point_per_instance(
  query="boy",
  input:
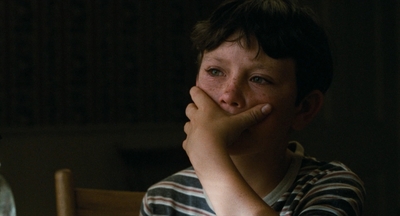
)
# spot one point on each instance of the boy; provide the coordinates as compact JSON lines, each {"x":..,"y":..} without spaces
{"x":264,"y":67}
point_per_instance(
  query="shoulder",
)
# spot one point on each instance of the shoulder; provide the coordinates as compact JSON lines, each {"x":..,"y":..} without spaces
{"x":313,"y":171}
{"x":328,"y":186}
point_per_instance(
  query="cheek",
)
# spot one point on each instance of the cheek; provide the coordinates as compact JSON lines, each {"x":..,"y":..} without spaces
{"x":283,"y":99}
{"x":279,"y":121}
{"x":283,"y":108}
{"x":284,"y":115}
{"x":208,"y":88}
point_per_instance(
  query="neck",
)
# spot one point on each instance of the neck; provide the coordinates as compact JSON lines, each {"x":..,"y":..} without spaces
{"x":263,"y":171}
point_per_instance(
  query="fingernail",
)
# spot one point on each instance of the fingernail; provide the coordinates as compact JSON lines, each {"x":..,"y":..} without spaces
{"x":266,"y":109}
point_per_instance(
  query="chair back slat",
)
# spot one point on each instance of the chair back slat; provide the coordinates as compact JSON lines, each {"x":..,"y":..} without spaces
{"x":93,"y":202}
{"x":65,"y":197}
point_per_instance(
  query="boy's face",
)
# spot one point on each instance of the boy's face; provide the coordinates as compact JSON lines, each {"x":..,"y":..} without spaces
{"x":237,"y":79}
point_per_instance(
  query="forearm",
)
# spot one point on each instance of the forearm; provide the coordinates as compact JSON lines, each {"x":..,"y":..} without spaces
{"x":227,"y":190}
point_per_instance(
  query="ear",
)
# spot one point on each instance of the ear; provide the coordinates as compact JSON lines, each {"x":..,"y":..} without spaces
{"x":308,"y":109}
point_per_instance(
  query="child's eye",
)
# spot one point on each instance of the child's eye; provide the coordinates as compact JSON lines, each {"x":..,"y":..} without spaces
{"x":214,"y":72}
{"x":259,"y":80}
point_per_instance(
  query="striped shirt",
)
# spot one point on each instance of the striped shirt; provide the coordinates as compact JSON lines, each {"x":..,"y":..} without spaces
{"x":310,"y":187}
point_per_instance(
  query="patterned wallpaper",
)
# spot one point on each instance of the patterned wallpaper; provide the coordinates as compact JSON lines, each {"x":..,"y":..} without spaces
{"x":68,"y":62}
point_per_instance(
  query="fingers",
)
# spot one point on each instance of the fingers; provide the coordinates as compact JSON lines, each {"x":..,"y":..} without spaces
{"x":190,"y":109}
{"x":254,"y":115}
{"x":186,"y":129}
{"x":200,"y":98}
{"x":247,"y":118}
{"x":266,"y":109}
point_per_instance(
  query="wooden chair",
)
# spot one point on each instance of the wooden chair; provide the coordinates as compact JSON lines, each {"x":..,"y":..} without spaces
{"x":73,"y":201}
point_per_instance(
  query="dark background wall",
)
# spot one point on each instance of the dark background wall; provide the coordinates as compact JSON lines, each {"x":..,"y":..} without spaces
{"x":101,"y":86}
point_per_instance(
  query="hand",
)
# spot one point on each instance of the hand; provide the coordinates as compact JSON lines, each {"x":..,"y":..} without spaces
{"x":210,"y":125}
{"x":209,"y":132}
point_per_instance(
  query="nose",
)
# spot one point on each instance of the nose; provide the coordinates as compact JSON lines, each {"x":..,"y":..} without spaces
{"x":232,"y":96}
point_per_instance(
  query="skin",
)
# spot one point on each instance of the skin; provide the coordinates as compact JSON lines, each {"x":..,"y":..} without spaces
{"x":242,"y":113}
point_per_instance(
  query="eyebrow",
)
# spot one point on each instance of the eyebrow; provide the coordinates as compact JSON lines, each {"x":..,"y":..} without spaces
{"x":258,"y":65}
{"x":213,"y":58}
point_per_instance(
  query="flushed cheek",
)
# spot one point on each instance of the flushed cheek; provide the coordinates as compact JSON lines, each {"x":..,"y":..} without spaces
{"x":282,"y":108}
{"x":210,"y":89}
{"x":283,"y":117}
{"x":276,"y":124}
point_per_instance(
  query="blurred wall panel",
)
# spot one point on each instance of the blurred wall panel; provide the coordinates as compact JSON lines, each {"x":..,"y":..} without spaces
{"x":79,"y":65}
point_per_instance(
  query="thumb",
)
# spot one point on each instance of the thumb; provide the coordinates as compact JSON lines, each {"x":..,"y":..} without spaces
{"x":254,"y":115}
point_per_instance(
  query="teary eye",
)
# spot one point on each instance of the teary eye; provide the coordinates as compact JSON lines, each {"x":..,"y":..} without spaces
{"x":259,"y":80}
{"x":214,"y":72}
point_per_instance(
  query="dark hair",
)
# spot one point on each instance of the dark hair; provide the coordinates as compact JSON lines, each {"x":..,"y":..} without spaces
{"x":282,"y":28}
